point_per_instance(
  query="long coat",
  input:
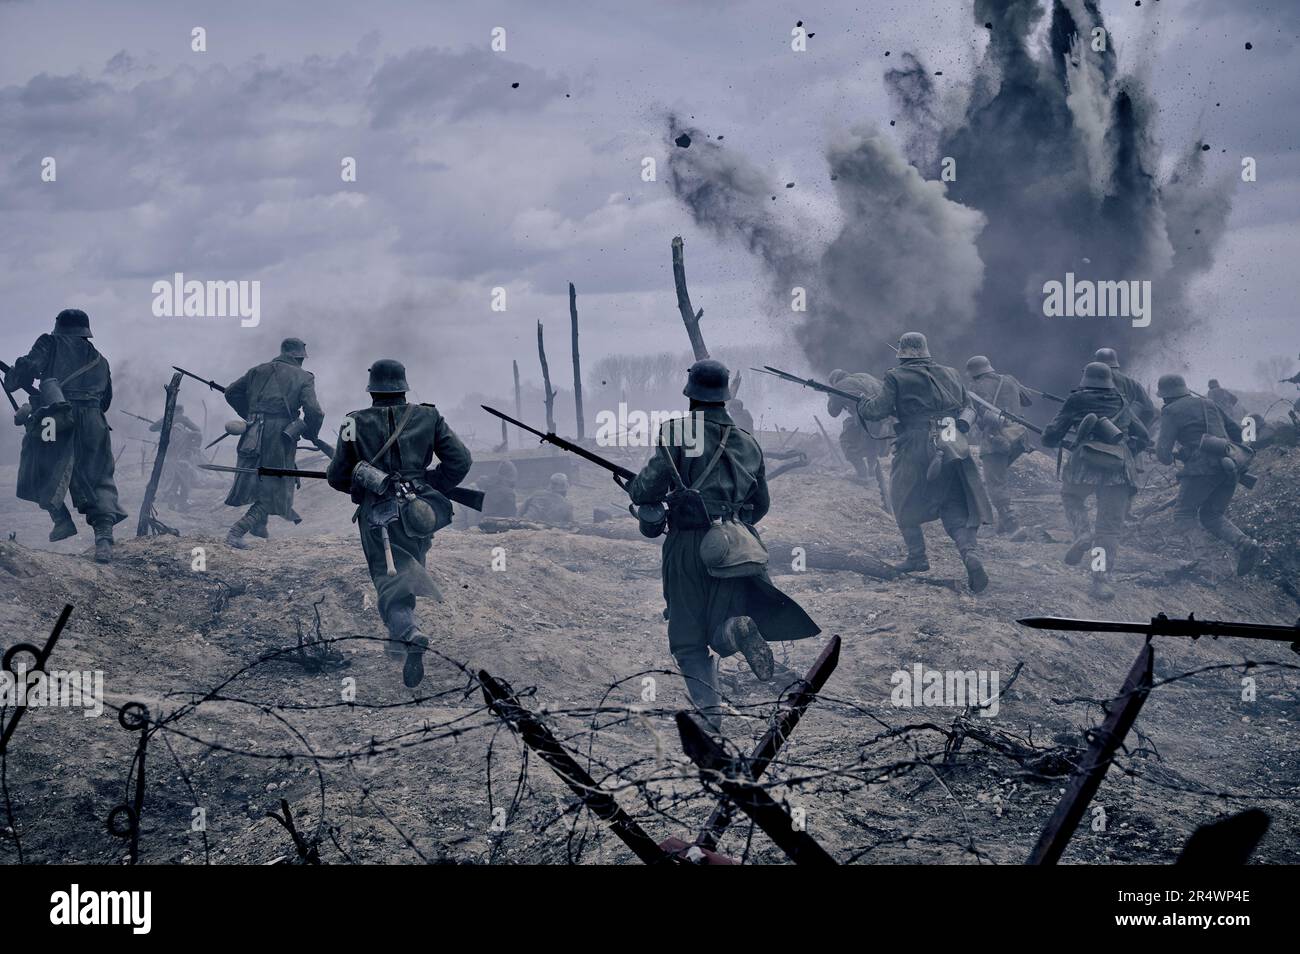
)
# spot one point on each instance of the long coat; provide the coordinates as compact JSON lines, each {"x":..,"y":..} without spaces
{"x":425,"y":436}
{"x":920,"y":393}
{"x":697,"y":602}
{"x":80,"y":458}
{"x":1002,"y":391}
{"x":269,"y":397}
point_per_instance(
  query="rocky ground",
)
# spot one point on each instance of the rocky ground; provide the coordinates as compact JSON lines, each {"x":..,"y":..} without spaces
{"x":376,"y":773}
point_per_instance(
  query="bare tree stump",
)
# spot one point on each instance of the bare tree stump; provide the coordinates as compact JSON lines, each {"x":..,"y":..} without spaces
{"x":690,"y":317}
{"x":577,"y":361}
{"x":149,"y":522}
{"x":547,"y":390}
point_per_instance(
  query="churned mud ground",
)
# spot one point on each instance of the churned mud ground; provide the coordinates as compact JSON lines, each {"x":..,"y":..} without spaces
{"x":379,"y":774}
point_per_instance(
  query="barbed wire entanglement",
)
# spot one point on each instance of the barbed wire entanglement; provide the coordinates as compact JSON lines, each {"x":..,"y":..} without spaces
{"x":596,"y":782}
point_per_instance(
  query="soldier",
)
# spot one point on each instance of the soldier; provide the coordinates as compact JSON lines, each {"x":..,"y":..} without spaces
{"x":66,"y":446}
{"x":1144,"y":409}
{"x":862,"y":448}
{"x":269,"y":397}
{"x":744,"y":420}
{"x":926,"y":398}
{"x":550,"y":506}
{"x":1221,"y":396}
{"x":400,"y":440}
{"x":1001,"y":442}
{"x":184,"y":452}
{"x":499,"y":491}
{"x":706,"y":612}
{"x":1098,"y":465}
{"x":1208,"y":479}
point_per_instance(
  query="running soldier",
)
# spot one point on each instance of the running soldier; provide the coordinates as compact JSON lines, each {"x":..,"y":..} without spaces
{"x":1101,"y":463}
{"x":862,"y":448}
{"x":383,"y":460}
{"x":184,"y":454}
{"x":723,"y":478}
{"x":1001,"y":441}
{"x":1195,"y":431}
{"x":932,"y":476}
{"x":66,"y":444}
{"x":270,"y":397}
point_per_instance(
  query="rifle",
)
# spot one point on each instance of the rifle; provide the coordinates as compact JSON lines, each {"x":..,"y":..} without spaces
{"x":461,"y":495}
{"x":572,"y":448}
{"x":136,"y":416}
{"x":810,"y":383}
{"x":1162,"y":625}
{"x":5,"y":369}
{"x":212,"y":384}
{"x":1044,"y":394}
{"x":1006,"y":415}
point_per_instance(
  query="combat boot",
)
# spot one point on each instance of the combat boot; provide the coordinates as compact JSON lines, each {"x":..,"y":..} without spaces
{"x":742,"y":633}
{"x":104,"y":544}
{"x":1248,"y":554}
{"x":1099,"y":587}
{"x":1074,"y":555}
{"x":63,"y":525}
{"x":235,"y":538}
{"x":261,"y":530}
{"x":413,"y":670}
{"x":975,"y":573}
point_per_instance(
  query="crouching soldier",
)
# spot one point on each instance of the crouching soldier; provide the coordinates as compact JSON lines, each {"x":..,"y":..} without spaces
{"x":1101,"y":463}
{"x":933,"y":476}
{"x":719,"y":600}
{"x":550,"y":506}
{"x":66,"y":447}
{"x":383,"y":460}
{"x":270,"y":397}
{"x":1197,"y":431}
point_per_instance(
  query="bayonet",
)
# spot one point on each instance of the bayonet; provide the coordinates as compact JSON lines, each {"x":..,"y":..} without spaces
{"x":562,"y":444}
{"x":1044,"y":394}
{"x":1162,"y":625}
{"x":212,"y":384}
{"x":809,"y":383}
{"x":136,"y":416}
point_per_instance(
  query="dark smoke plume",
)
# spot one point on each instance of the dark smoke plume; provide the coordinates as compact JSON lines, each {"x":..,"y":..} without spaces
{"x":1056,"y":172}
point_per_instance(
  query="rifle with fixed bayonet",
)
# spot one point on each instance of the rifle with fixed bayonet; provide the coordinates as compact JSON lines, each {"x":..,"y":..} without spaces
{"x":1162,"y":625}
{"x":462,"y":495}
{"x":1044,"y":394}
{"x":621,"y":474}
{"x":810,"y":383}
{"x":136,"y":416}
{"x":651,"y":518}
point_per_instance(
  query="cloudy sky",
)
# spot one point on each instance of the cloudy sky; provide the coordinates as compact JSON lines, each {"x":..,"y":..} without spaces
{"x":225,"y":164}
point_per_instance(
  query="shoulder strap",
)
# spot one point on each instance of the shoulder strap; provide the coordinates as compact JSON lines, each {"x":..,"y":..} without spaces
{"x":1002,"y":379}
{"x":83,"y":369}
{"x":374,"y":461}
{"x":717,"y":455}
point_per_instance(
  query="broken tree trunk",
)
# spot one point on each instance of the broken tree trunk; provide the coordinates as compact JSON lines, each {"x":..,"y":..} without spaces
{"x":149,"y":522}
{"x":577,"y":361}
{"x":546,"y":383}
{"x":690,"y":317}
{"x":519,"y":402}
{"x":816,"y":556}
